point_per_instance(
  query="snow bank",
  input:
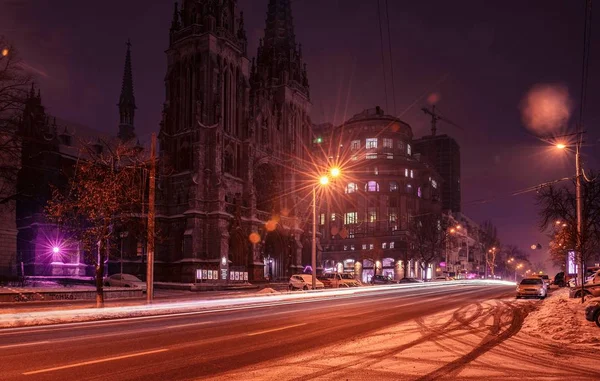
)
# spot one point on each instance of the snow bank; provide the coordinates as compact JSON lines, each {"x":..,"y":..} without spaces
{"x":268,"y":290}
{"x":562,"y":319}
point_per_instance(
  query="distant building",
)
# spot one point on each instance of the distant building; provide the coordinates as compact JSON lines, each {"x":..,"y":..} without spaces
{"x":50,"y":150}
{"x":365,"y":214}
{"x":8,"y":228}
{"x":443,"y":152}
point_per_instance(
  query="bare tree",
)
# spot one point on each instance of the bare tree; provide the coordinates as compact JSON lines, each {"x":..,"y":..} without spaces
{"x":558,"y":204}
{"x":14,"y":85}
{"x":103,"y":194}
{"x":490,"y":244}
{"x":428,"y":238}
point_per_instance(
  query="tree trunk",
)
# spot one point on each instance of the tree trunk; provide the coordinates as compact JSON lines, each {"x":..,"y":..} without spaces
{"x":100,"y":277}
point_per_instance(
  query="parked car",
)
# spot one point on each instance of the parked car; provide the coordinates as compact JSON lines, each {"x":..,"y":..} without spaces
{"x":441,"y":278}
{"x":337,"y":280}
{"x":534,"y":286}
{"x":559,"y":279}
{"x":381,"y":279}
{"x":303,"y":282}
{"x":409,"y":280}
{"x":592,"y":313}
{"x":591,"y":287}
{"x":125,"y":280}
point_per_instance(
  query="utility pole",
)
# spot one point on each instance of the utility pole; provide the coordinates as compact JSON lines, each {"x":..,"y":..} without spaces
{"x":313,"y":250}
{"x":151,"y":194}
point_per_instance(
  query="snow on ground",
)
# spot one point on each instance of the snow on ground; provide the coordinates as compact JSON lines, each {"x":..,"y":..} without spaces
{"x":481,"y":341}
{"x":268,"y":290}
{"x":560,"y":318}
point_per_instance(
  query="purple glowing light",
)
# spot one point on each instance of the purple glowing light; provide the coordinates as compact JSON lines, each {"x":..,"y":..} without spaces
{"x":56,"y":249}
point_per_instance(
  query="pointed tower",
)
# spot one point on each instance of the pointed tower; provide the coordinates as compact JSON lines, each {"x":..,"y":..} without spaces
{"x":127,"y":101}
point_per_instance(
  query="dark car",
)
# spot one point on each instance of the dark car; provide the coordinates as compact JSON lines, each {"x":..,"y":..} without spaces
{"x":592,"y":313}
{"x":410,"y":280}
{"x":381,"y":279}
{"x":559,"y":279}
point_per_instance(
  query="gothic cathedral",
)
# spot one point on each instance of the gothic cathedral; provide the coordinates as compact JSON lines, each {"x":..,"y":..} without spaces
{"x":233,"y":141}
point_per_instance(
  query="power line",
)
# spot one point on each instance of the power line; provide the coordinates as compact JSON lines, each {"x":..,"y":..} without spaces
{"x":382,"y":54}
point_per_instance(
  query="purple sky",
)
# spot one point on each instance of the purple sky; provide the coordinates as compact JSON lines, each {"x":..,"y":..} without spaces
{"x":481,"y":57}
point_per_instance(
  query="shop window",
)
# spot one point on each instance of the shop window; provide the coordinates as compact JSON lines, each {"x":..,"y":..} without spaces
{"x":371,"y":143}
{"x":372,"y":186}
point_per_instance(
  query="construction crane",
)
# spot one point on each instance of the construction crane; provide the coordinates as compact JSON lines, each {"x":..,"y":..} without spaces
{"x":435,"y":117}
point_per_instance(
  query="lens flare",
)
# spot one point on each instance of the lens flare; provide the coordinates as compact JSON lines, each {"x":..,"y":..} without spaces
{"x":254,"y":238}
{"x":324,"y":180}
{"x":335,"y":171}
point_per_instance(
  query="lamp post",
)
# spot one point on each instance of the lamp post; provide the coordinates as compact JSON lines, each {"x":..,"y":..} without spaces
{"x":323,"y":181}
{"x":456,"y":230}
{"x":122,"y":235}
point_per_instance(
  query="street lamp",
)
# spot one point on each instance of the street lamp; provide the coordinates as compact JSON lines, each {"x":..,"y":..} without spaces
{"x":323,"y":181}
{"x":5,"y":52}
{"x":457,"y":230}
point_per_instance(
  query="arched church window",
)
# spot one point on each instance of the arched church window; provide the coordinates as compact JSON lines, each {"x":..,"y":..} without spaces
{"x":228,"y":161}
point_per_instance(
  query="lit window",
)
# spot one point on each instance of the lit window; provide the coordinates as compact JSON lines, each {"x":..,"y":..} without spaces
{"x":345,"y":248}
{"x":375,"y":171}
{"x":412,"y":174}
{"x":372,"y":215}
{"x":354,"y":145}
{"x":392,"y":245}
{"x":371,"y":246}
{"x":351,"y":188}
{"x":354,"y":158}
{"x":401,"y":145}
{"x":434,"y":184}
{"x":408,"y":150}
{"x":332,"y":216}
{"x":364,"y":246}
{"x":352,"y":247}
{"x":372,"y":186}
{"x":388,"y":143}
{"x":393,"y":219}
{"x":393,"y":186}
{"x":408,"y":188}
{"x":322,"y":219}
{"x":389,"y":155}
{"x":419,"y":192}
{"x":384,"y":245}
{"x":350,"y":218}
{"x":405,"y":172}
{"x":371,"y":143}
{"x":371,"y":156}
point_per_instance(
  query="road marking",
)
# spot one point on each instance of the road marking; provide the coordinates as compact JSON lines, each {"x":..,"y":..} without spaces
{"x":189,"y":324}
{"x":275,"y":329}
{"x":94,"y":362}
{"x":24,"y":344}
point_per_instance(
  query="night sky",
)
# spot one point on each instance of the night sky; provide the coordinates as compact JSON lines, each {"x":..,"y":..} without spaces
{"x":480,"y":57}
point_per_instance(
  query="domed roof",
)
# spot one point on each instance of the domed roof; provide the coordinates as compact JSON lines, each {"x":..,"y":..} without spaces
{"x":376,"y":116}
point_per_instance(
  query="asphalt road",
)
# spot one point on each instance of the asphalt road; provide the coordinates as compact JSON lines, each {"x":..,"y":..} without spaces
{"x":207,"y":344}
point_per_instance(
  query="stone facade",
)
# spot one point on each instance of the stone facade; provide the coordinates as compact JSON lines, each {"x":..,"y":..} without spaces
{"x":232,"y":142}
{"x":365,"y":214}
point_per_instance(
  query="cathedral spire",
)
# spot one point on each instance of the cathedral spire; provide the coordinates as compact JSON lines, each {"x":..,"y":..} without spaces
{"x":279,"y":60}
{"x":127,"y":100}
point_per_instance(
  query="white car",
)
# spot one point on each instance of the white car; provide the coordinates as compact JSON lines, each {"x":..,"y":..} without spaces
{"x":303,"y":282}
{"x":533,"y":286}
{"x":125,"y":280}
{"x":335,"y":280}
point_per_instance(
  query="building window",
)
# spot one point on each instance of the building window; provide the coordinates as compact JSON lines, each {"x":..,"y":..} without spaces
{"x":351,"y":235}
{"x":393,"y":219}
{"x":351,"y":188}
{"x":322,"y":219}
{"x":371,"y":156}
{"x":393,"y":186}
{"x":372,"y":215}
{"x":408,"y":188}
{"x":371,"y":247}
{"x":401,"y":145}
{"x":419,"y":194}
{"x":408,"y":150}
{"x":332,"y":216}
{"x":434,"y":184}
{"x":412,"y":174}
{"x":388,"y":143}
{"x":350,"y":218}
{"x":345,"y":247}
{"x":389,"y":155}
{"x":375,"y":171}
{"x":372,"y":186}
{"x":392,"y":245}
{"x":354,"y":158}
{"x":364,"y":246}
{"x":352,"y":247}
{"x":384,"y":245}
{"x":355,"y":145}
{"x":405,"y":172}
{"x":371,"y":143}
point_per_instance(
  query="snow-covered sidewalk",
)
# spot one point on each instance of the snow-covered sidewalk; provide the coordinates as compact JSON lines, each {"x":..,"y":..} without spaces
{"x":561,"y":319}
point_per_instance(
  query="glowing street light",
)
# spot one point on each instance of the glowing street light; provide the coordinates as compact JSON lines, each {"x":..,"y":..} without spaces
{"x":56,"y":249}
{"x":4,"y":52}
{"x":323,"y":181}
{"x":561,"y":146}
